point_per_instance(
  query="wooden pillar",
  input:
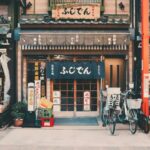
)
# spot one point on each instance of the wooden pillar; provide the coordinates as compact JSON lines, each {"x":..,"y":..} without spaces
{"x":130,"y":64}
{"x":145,"y":55}
{"x":19,"y":73}
{"x":25,"y":79}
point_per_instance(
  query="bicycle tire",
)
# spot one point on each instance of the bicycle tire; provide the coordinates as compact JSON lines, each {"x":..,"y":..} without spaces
{"x":133,"y":126}
{"x":104,"y":119}
{"x":146,"y":126}
{"x":132,"y":122}
{"x":112,"y":122}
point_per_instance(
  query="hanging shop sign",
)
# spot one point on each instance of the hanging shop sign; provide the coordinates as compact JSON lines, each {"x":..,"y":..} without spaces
{"x":76,"y":11}
{"x":75,"y":70}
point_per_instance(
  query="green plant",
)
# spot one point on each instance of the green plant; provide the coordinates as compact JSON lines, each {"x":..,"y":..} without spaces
{"x":19,"y":110}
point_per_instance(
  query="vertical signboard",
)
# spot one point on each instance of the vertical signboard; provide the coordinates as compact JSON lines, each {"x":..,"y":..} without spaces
{"x":56,"y":101}
{"x":146,"y":85}
{"x":87,"y":99}
{"x":37,"y":92}
{"x":31,"y":101}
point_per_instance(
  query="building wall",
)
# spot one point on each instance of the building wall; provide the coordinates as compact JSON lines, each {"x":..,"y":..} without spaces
{"x":104,"y":38}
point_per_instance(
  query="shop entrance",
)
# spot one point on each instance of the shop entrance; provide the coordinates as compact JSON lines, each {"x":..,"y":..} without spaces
{"x":75,"y":98}
{"x":115,"y":72}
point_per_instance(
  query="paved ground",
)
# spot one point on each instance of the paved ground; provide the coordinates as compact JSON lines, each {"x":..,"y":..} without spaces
{"x":73,"y":138}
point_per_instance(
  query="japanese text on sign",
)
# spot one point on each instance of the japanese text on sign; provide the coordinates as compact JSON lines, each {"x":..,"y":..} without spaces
{"x":76,"y":11}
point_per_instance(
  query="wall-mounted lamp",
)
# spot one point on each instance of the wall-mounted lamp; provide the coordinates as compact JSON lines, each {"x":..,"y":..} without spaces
{"x":121,"y":6}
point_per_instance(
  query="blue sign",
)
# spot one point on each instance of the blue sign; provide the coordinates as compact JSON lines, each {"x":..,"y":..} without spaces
{"x":75,"y":70}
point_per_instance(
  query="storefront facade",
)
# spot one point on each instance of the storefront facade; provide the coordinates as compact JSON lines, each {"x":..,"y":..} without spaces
{"x":7,"y":52}
{"x":70,"y":54}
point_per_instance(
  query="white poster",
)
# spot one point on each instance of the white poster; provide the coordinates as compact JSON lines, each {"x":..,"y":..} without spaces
{"x":87,"y":100}
{"x":56,"y":108}
{"x":56,"y":94}
{"x":146,"y":86}
{"x":31,"y":97}
{"x":37,"y":92}
{"x":86,"y":107}
{"x":87,"y":94}
{"x":56,"y":101}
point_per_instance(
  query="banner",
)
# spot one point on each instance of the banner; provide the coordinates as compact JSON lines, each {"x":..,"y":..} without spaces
{"x":75,"y":70}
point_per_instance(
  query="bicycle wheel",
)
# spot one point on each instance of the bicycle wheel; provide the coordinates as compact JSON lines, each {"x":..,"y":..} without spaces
{"x":104,"y":119}
{"x":112,"y":122}
{"x":132,"y":122}
{"x":145,"y":126}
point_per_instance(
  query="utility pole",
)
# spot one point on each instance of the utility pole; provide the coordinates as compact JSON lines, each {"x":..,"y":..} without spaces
{"x":145,"y":56}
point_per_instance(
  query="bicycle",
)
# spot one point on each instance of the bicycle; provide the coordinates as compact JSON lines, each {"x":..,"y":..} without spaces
{"x":110,"y":110}
{"x":143,"y":122}
{"x":129,"y":107}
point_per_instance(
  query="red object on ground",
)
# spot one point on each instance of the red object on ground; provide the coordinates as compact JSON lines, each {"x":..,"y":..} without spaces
{"x":47,"y":122}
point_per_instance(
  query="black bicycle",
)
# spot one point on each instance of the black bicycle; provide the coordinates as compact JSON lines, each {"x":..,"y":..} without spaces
{"x":109,"y":112}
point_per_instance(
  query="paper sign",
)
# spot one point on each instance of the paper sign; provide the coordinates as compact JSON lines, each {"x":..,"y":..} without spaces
{"x":56,"y":94}
{"x":146,"y":85}
{"x":37,"y":92}
{"x":86,"y":107}
{"x":56,"y":101}
{"x":31,"y":97}
{"x":87,"y":101}
{"x":87,"y":94}
{"x":56,"y":108}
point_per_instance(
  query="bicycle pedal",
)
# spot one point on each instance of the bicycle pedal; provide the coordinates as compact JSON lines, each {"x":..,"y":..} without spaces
{"x":104,"y":125}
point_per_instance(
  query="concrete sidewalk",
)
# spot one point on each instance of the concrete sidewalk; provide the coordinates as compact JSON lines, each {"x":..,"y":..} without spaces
{"x":73,"y":138}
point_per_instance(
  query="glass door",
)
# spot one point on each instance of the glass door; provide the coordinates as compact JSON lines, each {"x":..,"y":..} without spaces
{"x":75,"y":98}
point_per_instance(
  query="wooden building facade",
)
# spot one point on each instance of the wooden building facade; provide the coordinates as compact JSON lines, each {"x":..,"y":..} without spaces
{"x":68,"y":50}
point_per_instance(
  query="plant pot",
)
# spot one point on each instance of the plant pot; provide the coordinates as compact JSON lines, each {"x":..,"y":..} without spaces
{"x":18,"y":122}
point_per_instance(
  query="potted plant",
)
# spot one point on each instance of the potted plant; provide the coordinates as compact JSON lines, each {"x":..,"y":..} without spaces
{"x":18,"y":112}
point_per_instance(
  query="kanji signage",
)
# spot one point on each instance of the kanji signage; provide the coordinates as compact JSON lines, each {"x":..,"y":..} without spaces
{"x":75,"y":70}
{"x":76,"y":11}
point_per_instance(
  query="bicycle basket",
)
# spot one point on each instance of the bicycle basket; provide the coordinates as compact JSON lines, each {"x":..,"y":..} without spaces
{"x":134,"y":103}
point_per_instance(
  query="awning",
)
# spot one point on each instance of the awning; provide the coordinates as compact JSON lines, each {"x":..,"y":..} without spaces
{"x":68,"y":37}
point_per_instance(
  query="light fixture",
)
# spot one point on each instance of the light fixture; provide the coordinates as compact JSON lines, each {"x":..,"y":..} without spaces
{"x":121,"y":6}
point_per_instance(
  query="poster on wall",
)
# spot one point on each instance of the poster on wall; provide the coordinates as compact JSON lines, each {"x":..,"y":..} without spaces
{"x":37,"y":92}
{"x":56,"y":108}
{"x":56,"y":94}
{"x":76,"y":11}
{"x":146,"y":85}
{"x":31,"y":96}
{"x":56,"y":101}
{"x":87,"y":100}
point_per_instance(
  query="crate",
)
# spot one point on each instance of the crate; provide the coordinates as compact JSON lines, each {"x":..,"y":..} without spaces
{"x":47,"y":122}
{"x":45,"y":112}
{"x":134,"y":103}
